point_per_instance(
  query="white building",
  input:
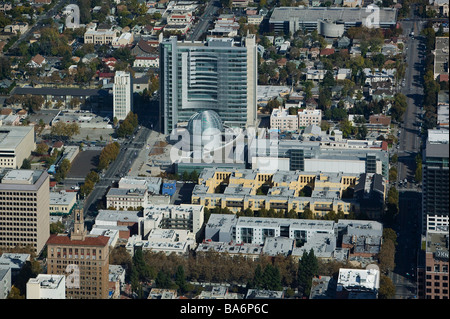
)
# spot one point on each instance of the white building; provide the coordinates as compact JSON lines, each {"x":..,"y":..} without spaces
{"x":255,"y":230}
{"x":358,"y":283}
{"x":47,"y":287}
{"x":123,"y":198}
{"x":183,"y":216}
{"x":281,"y":119}
{"x":125,"y":39}
{"x":122,"y":95}
{"x":146,"y":62}
{"x":5,"y":282}
{"x":309,"y":117}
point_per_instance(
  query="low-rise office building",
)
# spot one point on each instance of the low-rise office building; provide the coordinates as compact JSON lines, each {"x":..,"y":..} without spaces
{"x":328,"y":154}
{"x":124,"y":198}
{"x":47,"y":287}
{"x":62,"y":203}
{"x":358,"y":283}
{"x":16,"y":144}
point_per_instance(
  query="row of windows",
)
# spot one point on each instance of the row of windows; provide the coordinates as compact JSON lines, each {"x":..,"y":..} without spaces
{"x":17,"y":202}
{"x":5,"y":210}
{"x":13,"y":241}
{"x":18,"y":194}
{"x":437,"y":268}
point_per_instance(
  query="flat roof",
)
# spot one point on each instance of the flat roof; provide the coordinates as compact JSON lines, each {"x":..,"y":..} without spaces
{"x":22,"y":180}
{"x":12,"y":136}
{"x":62,"y":198}
{"x":58,"y":91}
{"x":313,"y":14}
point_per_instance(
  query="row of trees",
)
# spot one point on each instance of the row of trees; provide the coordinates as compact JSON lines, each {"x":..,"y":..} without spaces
{"x":431,"y":87}
{"x":128,"y":125}
{"x":273,"y":273}
{"x":62,"y":170}
{"x":107,"y":155}
{"x":280,"y":213}
{"x":63,"y":130}
{"x":175,"y":272}
{"x":89,"y":183}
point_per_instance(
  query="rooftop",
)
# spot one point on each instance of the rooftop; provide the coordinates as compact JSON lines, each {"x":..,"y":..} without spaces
{"x":312,"y":14}
{"x":48,"y":281}
{"x":21,"y":179}
{"x":12,"y":136}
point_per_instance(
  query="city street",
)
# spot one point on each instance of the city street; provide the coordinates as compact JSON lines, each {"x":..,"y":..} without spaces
{"x":410,"y":196}
{"x":119,"y":168}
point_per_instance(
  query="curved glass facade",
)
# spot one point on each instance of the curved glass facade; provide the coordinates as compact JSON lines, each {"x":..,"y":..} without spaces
{"x":217,"y":75}
{"x":203,"y":122}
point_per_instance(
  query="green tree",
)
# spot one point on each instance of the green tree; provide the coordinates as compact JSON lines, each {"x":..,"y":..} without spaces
{"x":42,"y":148}
{"x":308,"y":267}
{"x":387,"y":288}
{"x":180,"y":279}
{"x":26,"y":164}
{"x":56,"y":228}
{"x":386,"y":256}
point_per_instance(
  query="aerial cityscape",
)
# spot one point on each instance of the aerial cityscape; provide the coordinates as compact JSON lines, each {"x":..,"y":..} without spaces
{"x":224,"y":150}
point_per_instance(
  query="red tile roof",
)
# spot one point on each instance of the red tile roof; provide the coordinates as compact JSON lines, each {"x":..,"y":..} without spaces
{"x":443,"y":77}
{"x":326,"y":51}
{"x":63,"y":239}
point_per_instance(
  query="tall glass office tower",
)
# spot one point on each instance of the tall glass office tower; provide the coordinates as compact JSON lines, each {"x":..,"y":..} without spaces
{"x":218,"y":74}
{"x":435,"y":173}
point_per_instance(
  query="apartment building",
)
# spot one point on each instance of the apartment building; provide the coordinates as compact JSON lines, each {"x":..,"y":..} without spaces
{"x":24,"y":208}
{"x":184,"y":216}
{"x":281,"y":120}
{"x":242,"y":189}
{"x":177,"y":18}
{"x":308,"y":117}
{"x":255,"y":236}
{"x":17,"y":27}
{"x":82,"y":258}
{"x":16,"y":144}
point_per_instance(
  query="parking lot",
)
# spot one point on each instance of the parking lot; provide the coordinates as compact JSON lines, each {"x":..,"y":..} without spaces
{"x":85,"y":119}
{"x":83,"y":163}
